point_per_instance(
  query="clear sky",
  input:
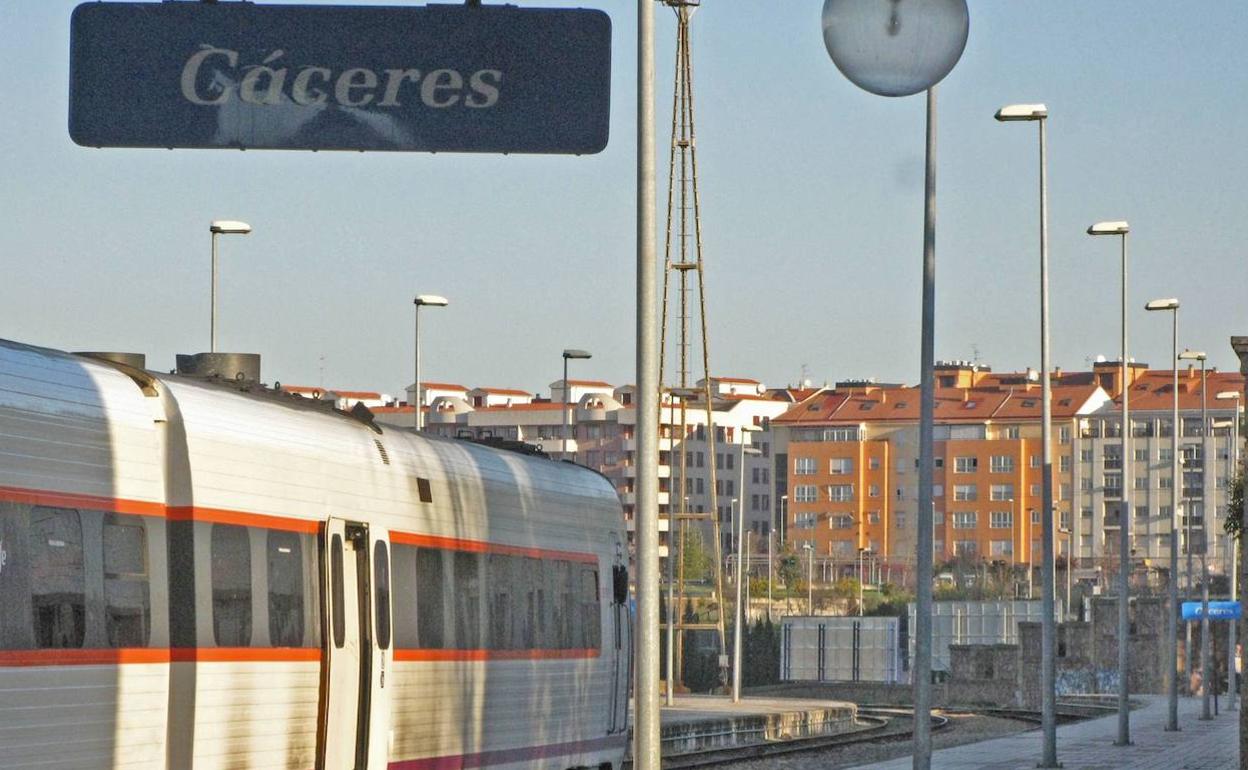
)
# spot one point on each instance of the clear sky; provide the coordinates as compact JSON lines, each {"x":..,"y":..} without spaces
{"x":812,"y":212}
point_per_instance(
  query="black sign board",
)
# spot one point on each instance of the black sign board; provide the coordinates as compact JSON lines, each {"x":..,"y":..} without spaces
{"x":437,"y":78}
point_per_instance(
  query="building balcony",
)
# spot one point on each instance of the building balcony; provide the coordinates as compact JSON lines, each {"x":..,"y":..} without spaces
{"x":665,"y":472}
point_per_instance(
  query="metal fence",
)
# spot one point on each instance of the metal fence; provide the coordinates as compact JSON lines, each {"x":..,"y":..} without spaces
{"x":841,"y":649}
{"x":965,"y":622}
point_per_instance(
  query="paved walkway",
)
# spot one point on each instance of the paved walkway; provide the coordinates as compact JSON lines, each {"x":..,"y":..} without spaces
{"x":1088,"y":745}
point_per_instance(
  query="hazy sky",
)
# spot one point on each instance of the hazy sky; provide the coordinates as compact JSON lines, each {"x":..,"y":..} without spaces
{"x":812,"y":212}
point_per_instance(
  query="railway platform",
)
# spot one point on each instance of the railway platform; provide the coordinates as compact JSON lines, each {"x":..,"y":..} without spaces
{"x":699,"y":724}
{"x":1089,"y":745}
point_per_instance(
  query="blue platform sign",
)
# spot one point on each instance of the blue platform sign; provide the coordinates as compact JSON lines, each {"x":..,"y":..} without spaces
{"x":1217,"y":610}
{"x":437,"y":78}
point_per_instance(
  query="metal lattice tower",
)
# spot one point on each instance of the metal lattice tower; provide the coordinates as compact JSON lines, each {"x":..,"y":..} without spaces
{"x":682,"y":257}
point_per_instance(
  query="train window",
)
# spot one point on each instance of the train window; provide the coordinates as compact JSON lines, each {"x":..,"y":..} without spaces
{"x":381,"y":593}
{"x":57,"y":579}
{"x":468,"y":606}
{"x":501,"y":581}
{"x":591,"y":622}
{"x":430,"y":601}
{"x":284,"y":552}
{"x":127,"y":598}
{"x":231,"y":585}
{"x":403,"y":597}
{"x":339,"y":619}
{"x":535,"y":602}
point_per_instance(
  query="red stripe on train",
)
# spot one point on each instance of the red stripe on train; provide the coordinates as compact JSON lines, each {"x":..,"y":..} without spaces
{"x":133,"y":655}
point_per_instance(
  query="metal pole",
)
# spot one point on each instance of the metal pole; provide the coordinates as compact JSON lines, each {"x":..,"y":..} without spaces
{"x":1188,"y":594}
{"x":1232,"y":647}
{"x":810,"y":580}
{"x":769,"y":575}
{"x":736,"y":610}
{"x":646,"y":754}
{"x":1172,"y":620}
{"x":1232,"y":644}
{"x":417,"y":401}
{"x":1206,"y":643}
{"x":922,"y":749}
{"x":859,"y":582}
{"x":563,"y":455}
{"x":212,"y":324}
{"x":673,"y":614}
{"x":1124,"y":529}
{"x":1048,"y":631}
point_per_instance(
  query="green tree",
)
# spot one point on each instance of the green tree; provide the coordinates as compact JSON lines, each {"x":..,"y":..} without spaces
{"x":696,"y":560}
{"x":1234,"y":524}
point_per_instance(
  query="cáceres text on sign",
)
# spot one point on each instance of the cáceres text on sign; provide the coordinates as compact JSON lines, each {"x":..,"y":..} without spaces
{"x":211,"y":77}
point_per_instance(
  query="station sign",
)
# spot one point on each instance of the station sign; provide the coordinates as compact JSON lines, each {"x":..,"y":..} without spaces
{"x":1217,"y":611}
{"x":437,"y":78}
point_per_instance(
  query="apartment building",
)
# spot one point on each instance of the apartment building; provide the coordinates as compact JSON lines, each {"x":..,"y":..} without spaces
{"x":852,"y":465}
{"x":850,"y":456}
{"x":716,"y":457}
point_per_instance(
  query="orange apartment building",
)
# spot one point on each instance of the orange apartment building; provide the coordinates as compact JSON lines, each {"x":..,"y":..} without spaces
{"x":852,"y":465}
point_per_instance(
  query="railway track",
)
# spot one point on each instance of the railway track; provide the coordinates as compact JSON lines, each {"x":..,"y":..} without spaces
{"x":888,"y":724}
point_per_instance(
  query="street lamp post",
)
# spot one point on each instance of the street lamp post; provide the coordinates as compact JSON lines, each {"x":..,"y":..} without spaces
{"x":900,"y":50}
{"x":737,"y":614}
{"x":1232,"y":647}
{"x":861,"y":551}
{"x":579,"y":355}
{"x":1039,"y":114}
{"x":1121,"y":229}
{"x":220,"y":227}
{"x":784,"y":512}
{"x":1172,"y":619}
{"x":810,"y":578}
{"x":423,"y":300}
{"x":1206,"y":658}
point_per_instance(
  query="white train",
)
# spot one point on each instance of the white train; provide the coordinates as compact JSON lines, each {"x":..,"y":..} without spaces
{"x":200,"y":574}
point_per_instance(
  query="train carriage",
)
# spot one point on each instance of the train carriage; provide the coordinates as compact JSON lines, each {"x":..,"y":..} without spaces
{"x":197,"y":573}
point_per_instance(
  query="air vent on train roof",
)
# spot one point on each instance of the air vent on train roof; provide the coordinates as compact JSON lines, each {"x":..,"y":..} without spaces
{"x":237,"y":367}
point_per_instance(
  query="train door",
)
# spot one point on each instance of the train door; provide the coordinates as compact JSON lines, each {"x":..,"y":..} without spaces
{"x":355,"y":717}
{"x":619,"y":644}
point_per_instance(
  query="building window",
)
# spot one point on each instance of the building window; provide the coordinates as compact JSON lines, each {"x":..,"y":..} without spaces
{"x":965,"y":492}
{"x":1001,"y":547}
{"x":1063,"y":463}
{"x":938,"y":490}
{"x":899,"y":519}
{"x":873,"y":517}
{"x":1112,"y":457}
{"x":1165,"y":453}
{"x":1085,"y":484}
{"x":1002,"y":492}
{"x":1002,"y":464}
{"x":1085,"y":455}
{"x":839,"y":493}
{"x":873,"y":463}
{"x":805,"y":493}
{"x":804,"y":466}
{"x":965,"y":464}
{"x":805,"y":520}
{"x":1012,"y":431}
{"x":1064,"y":434}
{"x":1141,"y":454}
{"x":1001,"y":520}
{"x":1063,"y":492}
{"x":1141,"y":482}
{"x":965,"y":519}
{"x":1035,"y":517}
{"x":840,"y":465}
{"x":874,"y":490}
{"x":1036,"y":461}
{"x":842,"y":521}
{"x":964,"y":547}
{"x":1037,"y":490}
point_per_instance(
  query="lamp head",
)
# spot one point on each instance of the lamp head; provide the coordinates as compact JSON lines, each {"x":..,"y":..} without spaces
{"x":431,"y":300}
{"x":1227,"y":395}
{"x":574,"y":353}
{"x":1192,"y":355}
{"x":1162,"y":304}
{"x":1022,"y":112}
{"x":228,"y":227}
{"x":1109,"y":228}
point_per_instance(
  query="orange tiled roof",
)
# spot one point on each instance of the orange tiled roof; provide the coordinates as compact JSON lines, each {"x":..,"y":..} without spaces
{"x":503,"y":391}
{"x":1153,"y":390}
